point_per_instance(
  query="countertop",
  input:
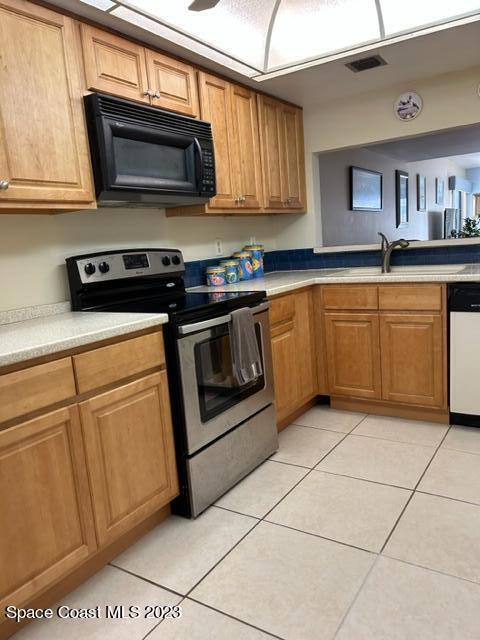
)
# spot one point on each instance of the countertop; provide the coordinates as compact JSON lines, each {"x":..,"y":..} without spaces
{"x":43,"y":335}
{"x":278,"y":282}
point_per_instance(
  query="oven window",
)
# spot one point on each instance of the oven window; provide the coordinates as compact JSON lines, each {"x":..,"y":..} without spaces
{"x":217,"y":388}
{"x":149,"y":160}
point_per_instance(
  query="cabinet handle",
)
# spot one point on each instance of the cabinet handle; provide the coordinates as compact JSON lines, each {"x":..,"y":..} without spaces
{"x":4,"y":184}
{"x":287,"y":201}
{"x":237,"y":199}
{"x":149,"y":93}
{"x":243,"y":199}
{"x":157,"y":94}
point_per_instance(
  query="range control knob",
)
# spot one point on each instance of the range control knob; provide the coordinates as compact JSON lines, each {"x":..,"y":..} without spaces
{"x":166,"y":261}
{"x":104,"y":267}
{"x":89,"y":268}
{"x":176,"y":259}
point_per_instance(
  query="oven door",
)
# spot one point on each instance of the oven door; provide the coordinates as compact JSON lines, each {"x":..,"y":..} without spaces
{"x":213,"y":401}
{"x":137,"y":157}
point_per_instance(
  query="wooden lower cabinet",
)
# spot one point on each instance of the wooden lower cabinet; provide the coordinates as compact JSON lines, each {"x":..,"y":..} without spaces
{"x":47,"y":526}
{"x":284,"y":355}
{"x":353,"y":354}
{"x":293,"y":352}
{"x":130,"y":454}
{"x":412,"y":359}
{"x":385,"y":343}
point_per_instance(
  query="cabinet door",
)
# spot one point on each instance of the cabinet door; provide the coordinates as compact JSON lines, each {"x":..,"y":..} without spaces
{"x":305,"y":347}
{"x":215,"y":107}
{"x":130,"y":454}
{"x":245,"y":147}
{"x":114,"y":65}
{"x":43,"y":145}
{"x":47,"y":527}
{"x":353,"y":354}
{"x":174,"y":84}
{"x":412,"y":359}
{"x":284,"y":356}
{"x":293,"y":160}
{"x":269,"y":116}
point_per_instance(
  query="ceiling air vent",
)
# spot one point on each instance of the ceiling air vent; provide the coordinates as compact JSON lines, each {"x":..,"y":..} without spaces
{"x":362,"y":64}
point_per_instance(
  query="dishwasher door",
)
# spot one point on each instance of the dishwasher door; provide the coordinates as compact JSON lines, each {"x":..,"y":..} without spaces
{"x":464,"y":305}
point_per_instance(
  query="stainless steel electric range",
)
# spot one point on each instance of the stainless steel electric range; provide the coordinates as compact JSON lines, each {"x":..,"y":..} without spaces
{"x":223,"y":429}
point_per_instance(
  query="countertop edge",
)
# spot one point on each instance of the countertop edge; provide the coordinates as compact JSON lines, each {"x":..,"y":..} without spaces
{"x":90,"y":337}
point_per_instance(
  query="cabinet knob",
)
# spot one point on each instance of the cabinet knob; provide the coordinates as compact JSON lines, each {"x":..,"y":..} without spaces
{"x":244,"y":199}
{"x":4,"y":184}
{"x":157,"y":94}
{"x":287,"y":201}
{"x":237,"y":199}
{"x":149,"y":93}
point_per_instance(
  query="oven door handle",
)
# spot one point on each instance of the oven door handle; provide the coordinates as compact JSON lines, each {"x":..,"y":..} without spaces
{"x":186,"y":329}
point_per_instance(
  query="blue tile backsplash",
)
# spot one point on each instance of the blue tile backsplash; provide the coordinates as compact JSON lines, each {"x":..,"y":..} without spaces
{"x":290,"y":259}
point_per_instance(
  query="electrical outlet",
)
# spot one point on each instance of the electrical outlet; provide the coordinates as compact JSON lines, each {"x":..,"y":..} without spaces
{"x":218,"y":247}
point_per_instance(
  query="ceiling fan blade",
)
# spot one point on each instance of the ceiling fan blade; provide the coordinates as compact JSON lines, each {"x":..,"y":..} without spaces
{"x":203,"y":5}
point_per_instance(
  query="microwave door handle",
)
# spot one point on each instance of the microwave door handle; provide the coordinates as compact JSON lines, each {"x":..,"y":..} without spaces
{"x":199,"y":151}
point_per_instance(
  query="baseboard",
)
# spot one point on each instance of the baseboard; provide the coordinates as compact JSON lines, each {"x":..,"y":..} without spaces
{"x":85,"y":571}
{"x":390,"y":409}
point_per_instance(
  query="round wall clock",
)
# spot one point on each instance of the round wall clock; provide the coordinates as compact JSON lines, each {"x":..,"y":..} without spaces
{"x":408,"y":106}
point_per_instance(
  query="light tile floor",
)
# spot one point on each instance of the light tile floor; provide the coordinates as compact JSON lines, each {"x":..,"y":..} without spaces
{"x":358,"y":528}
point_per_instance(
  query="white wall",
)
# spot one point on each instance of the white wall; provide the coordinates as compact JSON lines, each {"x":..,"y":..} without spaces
{"x":33,"y":247}
{"x":450,"y":100}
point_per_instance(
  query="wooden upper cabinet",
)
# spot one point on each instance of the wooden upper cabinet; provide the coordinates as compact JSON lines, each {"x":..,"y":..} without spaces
{"x":114,"y":64}
{"x":47,"y":527}
{"x":215,"y":107}
{"x":270,"y":134}
{"x":293,"y":157}
{"x":353,"y":354}
{"x":123,"y":68}
{"x":245,"y":147}
{"x":282,"y":147}
{"x":44,"y":156}
{"x":174,"y":84}
{"x":130,"y":454}
{"x":412,"y":348}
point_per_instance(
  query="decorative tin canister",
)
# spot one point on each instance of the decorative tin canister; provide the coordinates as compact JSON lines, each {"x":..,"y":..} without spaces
{"x":231,"y":268}
{"x":216,"y":276}
{"x":246,"y":268}
{"x":256,"y":251}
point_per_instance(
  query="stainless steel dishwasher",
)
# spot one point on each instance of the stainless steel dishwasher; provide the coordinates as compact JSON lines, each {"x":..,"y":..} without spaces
{"x":464,"y":316}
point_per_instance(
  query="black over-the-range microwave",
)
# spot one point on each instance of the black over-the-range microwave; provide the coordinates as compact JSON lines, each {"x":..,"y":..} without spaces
{"x":146,"y":156}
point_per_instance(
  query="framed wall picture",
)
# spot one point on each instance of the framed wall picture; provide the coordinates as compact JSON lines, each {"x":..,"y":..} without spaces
{"x":366,"y":190}
{"x":439,"y":190}
{"x":421,"y":193}
{"x":401,"y":197}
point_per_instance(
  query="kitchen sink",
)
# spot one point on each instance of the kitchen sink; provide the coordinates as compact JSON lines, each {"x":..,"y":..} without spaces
{"x":411,"y":269}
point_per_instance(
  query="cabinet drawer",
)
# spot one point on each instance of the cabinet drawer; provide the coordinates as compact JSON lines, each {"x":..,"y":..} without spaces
{"x":35,"y":388}
{"x":417,"y":297}
{"x":282,"y":309}
{"x":103,"y":366}
{"x":354,"y":297}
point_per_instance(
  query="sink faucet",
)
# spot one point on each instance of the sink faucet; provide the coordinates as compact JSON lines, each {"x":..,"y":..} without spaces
{"x":387,"y":248}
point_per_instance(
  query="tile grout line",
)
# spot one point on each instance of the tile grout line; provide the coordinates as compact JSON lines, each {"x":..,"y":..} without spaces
{"x":229,"y":615}
{"x":441,"y":495}
{"x":162,"y":620}
{"x":422,"y":566}
{"x":355,"y":598}
{"x":382,"y":484}
{"x":414,"y":491}
{"x":155,"y":584}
